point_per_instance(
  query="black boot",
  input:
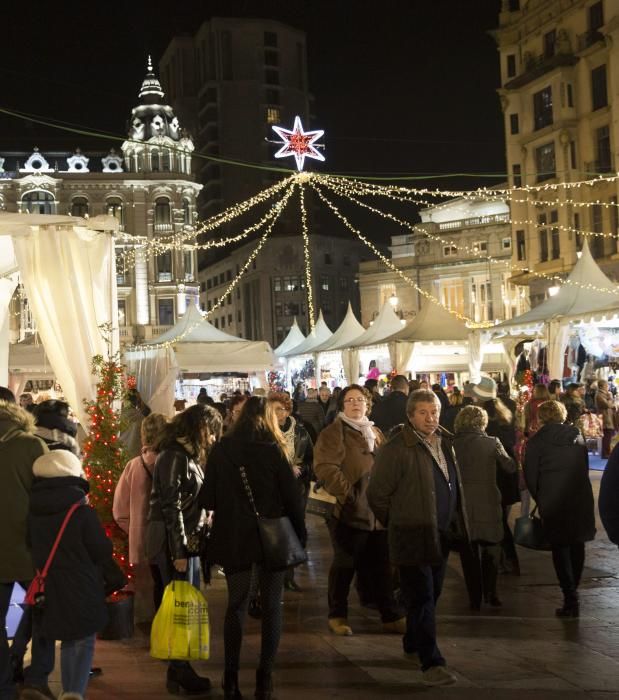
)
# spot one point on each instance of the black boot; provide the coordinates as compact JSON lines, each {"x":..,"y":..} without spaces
{"x":571,"y":608}
{"x":264,"y":685}
{"x":231,"y":686}
{"x":184,"y":680}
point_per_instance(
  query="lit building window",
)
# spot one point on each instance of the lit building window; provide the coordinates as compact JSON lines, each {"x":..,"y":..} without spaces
{"x":79,"y":206}
{"x":165,"y":308}
{"x":38,"y":202}
{"x":114,"y":208}
{"x":274,"y":115}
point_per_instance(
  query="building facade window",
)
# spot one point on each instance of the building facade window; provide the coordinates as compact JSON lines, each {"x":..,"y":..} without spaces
{"x":122,"y":312}
{"x":480,"y":246}
{"x":555,"y":242}
{"x":596,"y":16}
{"x":79,"y":206}
{"x":550,"y":40}
{"x":542,"y":220}
{"x":602,"y":149}
{"x":596,"y":243}
{"x":165,"y":312}
{"x":274,"y":115}
{"x":578,"y":234}
{"x":542,"y":108}
{"x":513,"y":124}
{"x":521,"y":246}
{"x":449,"y":251}
{"x":506,"y":244}
{"x":271,"y":76}
{"x":481,"y":299}
{"x":270,"y":39}
{"x":38,"y":202}
{"x":324,"y":283}
{"x":511,"y":65}
{"x":516,"y":175}
{"x":114,"y":207}
{"x":451,"y":294}
{"x":599,"y":94}
{"x":545,"y":161}
{"x":164,"y":267}
{"x":186,"y":212}
{"x":162,"y":211}
{"x":188,"y":264}
{"x":569,"y":91}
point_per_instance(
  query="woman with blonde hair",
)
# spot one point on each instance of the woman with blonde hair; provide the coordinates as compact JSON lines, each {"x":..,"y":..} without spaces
{"x":480,"y":458}
{"x":556,"y":469}
{"x":343,"y":460}
{"x":132,"y":497}
{"x":255,"y":451}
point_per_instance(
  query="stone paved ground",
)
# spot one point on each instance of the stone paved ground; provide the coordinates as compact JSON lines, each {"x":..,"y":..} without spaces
{"x":521,"y":651}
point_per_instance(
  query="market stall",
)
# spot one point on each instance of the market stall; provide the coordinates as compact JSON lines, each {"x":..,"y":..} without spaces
{"x":301,"y":360}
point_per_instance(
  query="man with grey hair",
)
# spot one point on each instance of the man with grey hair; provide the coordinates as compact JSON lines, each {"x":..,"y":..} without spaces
{"x":416,"y":492}
{"x":391,"y":411}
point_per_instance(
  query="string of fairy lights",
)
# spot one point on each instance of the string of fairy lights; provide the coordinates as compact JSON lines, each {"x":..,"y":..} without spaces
{"x":301,"y":144}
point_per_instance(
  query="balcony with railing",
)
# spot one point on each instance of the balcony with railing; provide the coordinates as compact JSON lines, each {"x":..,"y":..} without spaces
{"x":536,"y":66}
{"x":601,"y":166}
{"x":486,"y":220}
{"x":151,"y":332}
{"x":587,"y":39}
{"x":164,"y":228}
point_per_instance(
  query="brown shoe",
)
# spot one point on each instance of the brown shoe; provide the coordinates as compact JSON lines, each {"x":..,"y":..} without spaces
{"x":395,"y":627}
{"x":339,"y":625}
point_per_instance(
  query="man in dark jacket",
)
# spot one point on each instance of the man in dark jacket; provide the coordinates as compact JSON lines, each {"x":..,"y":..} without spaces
{"x":416,"y":492}
{"x":19,"y":448}
{"x":391,"y":410}
{"x":608,"y":502}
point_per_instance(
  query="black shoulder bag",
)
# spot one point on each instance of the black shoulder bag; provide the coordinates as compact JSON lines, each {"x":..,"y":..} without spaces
{"x":280,"y":545}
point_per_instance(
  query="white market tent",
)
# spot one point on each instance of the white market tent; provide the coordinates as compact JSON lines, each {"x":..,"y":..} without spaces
{"x":588,"y":295}
{"x":433,"y":323}
{"x":320,"y":333}
{"x":201,"y":348}
{"x":345,"y":334}
{"x":294,"y":338}
{"x":385,"y":324}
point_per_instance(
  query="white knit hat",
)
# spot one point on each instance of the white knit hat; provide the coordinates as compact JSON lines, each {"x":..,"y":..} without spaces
{"x":485,"y":389}
{"x":57,"y":463}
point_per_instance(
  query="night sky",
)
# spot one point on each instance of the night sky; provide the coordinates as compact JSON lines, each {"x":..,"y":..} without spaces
{"x":400,"y":87}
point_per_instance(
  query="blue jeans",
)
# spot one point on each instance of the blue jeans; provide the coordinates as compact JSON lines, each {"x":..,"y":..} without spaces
{"x":42,"y":650}
{"x":75,"y":662}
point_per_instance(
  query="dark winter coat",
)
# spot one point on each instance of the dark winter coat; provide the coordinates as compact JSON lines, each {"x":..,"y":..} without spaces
{"x":507,"y":483}
{"x":312,"y":415}
{"x":480,"y":457}
{"x":177,"y":480}
{"x":303,"y":452}
{"x":389,"y":412}
{"x":608,"y":501}
{"x":343,"y":462}
{"x":556,"y":469}
{"x":234,"y":542}
{"x":19,"y":448}
{"x":74,"y":588}
{"x":402,"y":494}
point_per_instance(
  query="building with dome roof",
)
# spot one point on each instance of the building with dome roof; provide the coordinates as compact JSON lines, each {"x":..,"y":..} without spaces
{"x":147,"y":186}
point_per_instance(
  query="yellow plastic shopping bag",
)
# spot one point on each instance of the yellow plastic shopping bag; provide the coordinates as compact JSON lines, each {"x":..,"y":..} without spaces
{"x":180,"y":629}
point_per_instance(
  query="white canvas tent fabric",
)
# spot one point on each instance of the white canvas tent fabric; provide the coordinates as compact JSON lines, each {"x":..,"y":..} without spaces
{"x":386,"y":324}
{"x":294,"y":338}
{"x":345,"y":334}
{"x":67,"y":266}
{"x":571,"y":301}
{"x":316,"y":337}
{"x":433,"y":323}
{"x":205,"y":348}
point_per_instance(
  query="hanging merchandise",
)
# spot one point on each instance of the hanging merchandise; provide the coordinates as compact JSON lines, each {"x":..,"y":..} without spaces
{"x":599,"y":342}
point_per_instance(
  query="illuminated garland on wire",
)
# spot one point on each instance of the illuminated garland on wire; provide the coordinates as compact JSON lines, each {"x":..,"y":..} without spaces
{"x":471,"y":250}
{"x":306,"y":253}
{"x":205,"y":314}
{"x":390,"y":265}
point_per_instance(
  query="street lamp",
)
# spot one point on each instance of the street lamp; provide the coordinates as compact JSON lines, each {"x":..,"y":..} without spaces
{"x":394,"y":301}
{"x":553,"y":291}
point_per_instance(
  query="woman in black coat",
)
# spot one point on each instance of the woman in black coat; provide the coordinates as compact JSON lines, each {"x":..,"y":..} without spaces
{"x":501,"y":424}
{"x":74,"y":609}
{"x":556,"y":469}
{"x":175,"y":518}
{"x":480,"y":458}
{"x":256,"y":444}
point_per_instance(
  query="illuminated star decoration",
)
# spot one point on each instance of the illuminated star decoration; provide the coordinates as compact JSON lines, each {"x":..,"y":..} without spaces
{"x":298,"y":143}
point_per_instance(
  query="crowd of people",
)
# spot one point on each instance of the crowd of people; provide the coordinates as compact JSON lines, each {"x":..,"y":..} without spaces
{"x":414,"y":474}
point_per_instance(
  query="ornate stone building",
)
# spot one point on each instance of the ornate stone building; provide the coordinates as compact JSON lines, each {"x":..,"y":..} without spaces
{"x":445,"y":257}
{"x":147,"y":186}
{"x":560,"y":96}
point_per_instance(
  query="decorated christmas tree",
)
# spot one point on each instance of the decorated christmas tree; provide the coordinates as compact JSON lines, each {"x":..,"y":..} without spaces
{"x":104,"y":457}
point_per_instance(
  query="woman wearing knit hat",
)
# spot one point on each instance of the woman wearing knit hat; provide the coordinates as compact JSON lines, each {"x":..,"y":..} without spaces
{"x":74,"y":608}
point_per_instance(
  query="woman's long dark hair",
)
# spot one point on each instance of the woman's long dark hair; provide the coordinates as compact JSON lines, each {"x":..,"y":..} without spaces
{"x":257,"y":421}
{"x":189,"y":425}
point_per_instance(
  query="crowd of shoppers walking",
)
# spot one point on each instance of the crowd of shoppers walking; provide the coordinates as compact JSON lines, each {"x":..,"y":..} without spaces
{"x":414,"y":475}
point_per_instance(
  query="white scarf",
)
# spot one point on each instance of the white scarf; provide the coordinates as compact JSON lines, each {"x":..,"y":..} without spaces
{"x":363,"y":425}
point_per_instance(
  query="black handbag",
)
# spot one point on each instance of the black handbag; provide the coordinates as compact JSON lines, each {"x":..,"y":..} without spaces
{"x":529,"y":532}
{"x":280,"y":545}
